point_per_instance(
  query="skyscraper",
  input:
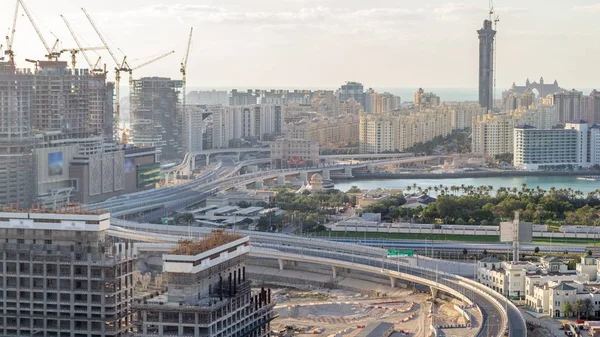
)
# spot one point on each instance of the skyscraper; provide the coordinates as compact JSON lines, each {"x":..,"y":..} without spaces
{"x":486,"y":65}
{"x":156,"y":115}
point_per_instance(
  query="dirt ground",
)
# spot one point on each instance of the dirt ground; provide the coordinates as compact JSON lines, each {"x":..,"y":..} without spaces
{"x":326,"y":312}
{"x":445,"y":313}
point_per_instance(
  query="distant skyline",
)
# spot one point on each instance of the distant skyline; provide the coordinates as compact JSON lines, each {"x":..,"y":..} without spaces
{"x":322,"y":43}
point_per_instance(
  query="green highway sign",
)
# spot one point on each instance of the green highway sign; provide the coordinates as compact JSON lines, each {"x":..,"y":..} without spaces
{"x":394,"y":252}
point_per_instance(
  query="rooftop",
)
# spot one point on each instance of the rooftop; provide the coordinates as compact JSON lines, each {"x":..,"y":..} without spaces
{"x":194,"y":247}
{"x":70,"y":208}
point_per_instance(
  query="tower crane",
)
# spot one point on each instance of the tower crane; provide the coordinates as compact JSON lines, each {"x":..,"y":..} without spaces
{"x":93,"y":67}
{"x":145,"y":64}
{"x":493,"y":17}
{"x":52,"y":53}
{"x":119,"y":66}
{"x":9,"y":40}
{"x":183,"y":70}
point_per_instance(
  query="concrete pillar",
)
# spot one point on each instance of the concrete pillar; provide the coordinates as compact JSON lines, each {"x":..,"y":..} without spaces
{"x":193,"y":163}
{"x":334,"y":270}
{"x":167,"y":178}
{"x":348,"y":171}
{"x":207,"y":159}
{"x":280,"y":264}
{"x":281,"y":180}
{"x":434,"y":292}
{"x":239,"y":154}
{"x":326,"y":175}
{"x":371,"y":168}
{"x":392,"y":282}
{"x":303,"y":176}
{"x":259,"y":184}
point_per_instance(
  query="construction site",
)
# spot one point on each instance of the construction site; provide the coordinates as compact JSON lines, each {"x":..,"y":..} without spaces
{"x":61,"y":139}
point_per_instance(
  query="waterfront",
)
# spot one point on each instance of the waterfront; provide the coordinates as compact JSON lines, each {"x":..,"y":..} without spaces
{"x":544,"y":182}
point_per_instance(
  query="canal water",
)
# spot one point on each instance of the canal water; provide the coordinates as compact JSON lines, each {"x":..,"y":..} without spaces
{"x":544,"y":182}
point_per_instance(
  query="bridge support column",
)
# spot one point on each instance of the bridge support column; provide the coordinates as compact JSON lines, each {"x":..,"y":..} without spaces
{"x":281,"y":180}
{"x":326,"y":175}
{"x":259,"y":184}
{"x":167,"y":178}
{"x":207,"y":159}
{"x":393,"y":282}
{"x":193,"y":163}
{"x":303,"y":176}
{"x":434,"y":292}
{"x":347,"y":172}
{"x":371,"y":168}
{"x":239,"y":154}
{"x":280,"y":264}
{"x":334,"y":270}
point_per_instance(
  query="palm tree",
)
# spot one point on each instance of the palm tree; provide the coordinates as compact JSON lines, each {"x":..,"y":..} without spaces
{"x":578,"y":307}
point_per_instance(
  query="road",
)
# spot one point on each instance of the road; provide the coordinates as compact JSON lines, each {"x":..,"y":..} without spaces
{"x":441,"y":245}
{"x":353,"y":253}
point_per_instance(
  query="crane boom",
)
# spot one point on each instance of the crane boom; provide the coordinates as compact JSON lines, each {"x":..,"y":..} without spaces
{"x":187,"y":51}
{"x":101,"y":37}
{"x":9,"y":40}
{"x":77,"y":42}
{"x":50,"y":54}
{"x":152,"y":61}
{"x":14,"y":25}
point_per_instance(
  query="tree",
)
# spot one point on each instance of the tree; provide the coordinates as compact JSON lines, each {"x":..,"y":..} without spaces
{"x":567,"y":309}
{"x":588,"y":307}
{"x":485,"y":252}
{"x":465,"y":252}
{"x":565,"y":252}
{"x":244,"y":204}
{"x":589,"y":252}
{"x":536,"y":250}
{"x":354,"y":189}
{"x":578,"y":307}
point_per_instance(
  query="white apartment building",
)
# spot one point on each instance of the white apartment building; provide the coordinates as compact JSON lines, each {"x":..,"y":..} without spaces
{"x":568,"y":105}
{"x":463,"y":114}
{"x":258,"y":121}
{"x":287,"y":152}
{"x":376,"y":133}
{"x":493,"y":134}
{"x":550,"y":297}
{"x":510,"y":278}
{"x":577,"y":145}
{"x":386,"y":132}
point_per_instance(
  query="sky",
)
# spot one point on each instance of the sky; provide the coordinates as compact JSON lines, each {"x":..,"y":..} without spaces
{"x":323,"y":43}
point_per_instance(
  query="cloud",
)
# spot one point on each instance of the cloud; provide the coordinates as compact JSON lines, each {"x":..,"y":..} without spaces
{"x":589,"y":8}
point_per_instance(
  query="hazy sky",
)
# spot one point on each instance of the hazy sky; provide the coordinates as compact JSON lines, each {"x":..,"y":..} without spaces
{"x":322,"y":43}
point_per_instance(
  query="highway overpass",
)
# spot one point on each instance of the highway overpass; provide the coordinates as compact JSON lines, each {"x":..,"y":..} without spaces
{"x":496,"y":309}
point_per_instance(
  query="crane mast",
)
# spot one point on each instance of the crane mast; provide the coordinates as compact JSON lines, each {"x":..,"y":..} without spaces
{"x":183,"y":71}
{"x":495,"y":19}
{"x":123,"y":66}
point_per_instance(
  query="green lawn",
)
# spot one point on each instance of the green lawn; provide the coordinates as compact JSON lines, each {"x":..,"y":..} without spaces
{"x":442,"y":237}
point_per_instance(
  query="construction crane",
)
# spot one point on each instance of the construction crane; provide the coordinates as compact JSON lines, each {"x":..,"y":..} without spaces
{"x":10,"y":39}
{"x":53,"y":54}
{"x":183,"y":70}
{"x":74,"y":53}
{"x":494,"y":18}
{"x":93,"y":67}
{"x":145,"y":64}
{"x":119,"y":66}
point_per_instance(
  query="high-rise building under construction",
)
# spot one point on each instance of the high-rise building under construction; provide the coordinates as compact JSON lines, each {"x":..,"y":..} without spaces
{"x":156,"y":117}
{"x":49,"y":115}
